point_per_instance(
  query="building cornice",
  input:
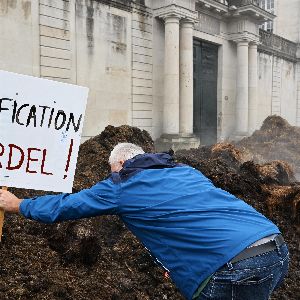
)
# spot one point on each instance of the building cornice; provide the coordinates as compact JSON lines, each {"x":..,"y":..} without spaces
{"x":175,"y":10}
{"x":212,"y":6}
{"x":238,"y":8}
{"x":141,"y":9}
{"x":244,"y":37}
{"x":123,"y":5}
{"x":254,"y":12}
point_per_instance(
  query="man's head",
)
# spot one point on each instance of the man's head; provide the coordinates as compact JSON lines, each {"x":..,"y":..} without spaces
{"x":121,"y":153}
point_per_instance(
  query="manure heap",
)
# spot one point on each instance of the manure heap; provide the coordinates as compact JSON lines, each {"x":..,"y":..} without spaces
{"x":98,"y":258}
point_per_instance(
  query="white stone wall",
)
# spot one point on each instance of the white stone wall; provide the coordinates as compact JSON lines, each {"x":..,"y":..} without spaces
{"x":56,"y":49}
{"x":19,"y":37}
{"x":286,"y":23}
{"x":86,"y":43}
{"x":265,"y":92}
{"x":103,"y":60}
{"x":142,"y":70}
{"x":277,"y":88}
{"x":288,"y":92}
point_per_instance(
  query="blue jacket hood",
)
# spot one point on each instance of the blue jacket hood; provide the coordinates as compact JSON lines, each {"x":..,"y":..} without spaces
{"x":150,"y":161}
{"x":142,"y":162}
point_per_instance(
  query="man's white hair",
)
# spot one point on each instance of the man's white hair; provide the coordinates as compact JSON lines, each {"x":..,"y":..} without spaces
{"x":124,"y":151}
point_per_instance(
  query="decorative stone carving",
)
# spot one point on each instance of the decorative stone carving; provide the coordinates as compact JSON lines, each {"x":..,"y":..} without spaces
{"x":208,"y":24}
{"x":238,"y":3}
{"x":174,"y":10}
{"x":275,"y":44}
{"x":188,"y":4}
{"x":243,"y":29}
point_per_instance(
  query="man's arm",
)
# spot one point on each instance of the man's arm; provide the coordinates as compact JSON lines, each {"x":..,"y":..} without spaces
{"x":98,"y":200}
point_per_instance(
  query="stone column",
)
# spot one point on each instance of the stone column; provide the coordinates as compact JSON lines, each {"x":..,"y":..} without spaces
{"x":186,"y":78}
{"x":242,"y":89}
{"x":171,"y":76}
{"x":298,"y":92}
{"x":252,"y":87}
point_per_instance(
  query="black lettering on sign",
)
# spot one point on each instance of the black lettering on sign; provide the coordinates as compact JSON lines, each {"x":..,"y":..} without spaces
{"x":1,"y":101}
{"x":43,"y":113}
{"x":18,"y":113}
{"x":13,"y":117}
{"x":60,"y":114}
{"x":32,"y":116}
{"x":51,"y":116}
{"x":71,"y":120}
{"x":40,"y":115}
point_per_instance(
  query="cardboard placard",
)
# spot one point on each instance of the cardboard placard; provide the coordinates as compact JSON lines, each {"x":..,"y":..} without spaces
{"x":40,"y":128}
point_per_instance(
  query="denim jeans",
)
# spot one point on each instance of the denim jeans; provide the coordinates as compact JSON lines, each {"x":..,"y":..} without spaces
{"x":250,"y":279}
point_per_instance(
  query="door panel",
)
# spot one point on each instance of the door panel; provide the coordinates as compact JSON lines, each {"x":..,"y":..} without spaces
{"x":205,"y":91}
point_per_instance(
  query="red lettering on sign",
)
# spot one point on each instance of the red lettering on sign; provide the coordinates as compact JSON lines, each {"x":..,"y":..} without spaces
{"x":43,"y":163}
{"x":16,"y":158}
{"x":1,"y":152}
{"x":19,"y":164}
{"x":69,"y":158}
{"x":30,"y":159}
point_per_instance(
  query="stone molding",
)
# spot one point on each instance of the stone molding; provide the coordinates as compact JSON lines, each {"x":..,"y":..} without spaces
{"x":244,"y":37}
{"x":253,"y":45}
{"x":187,"y":4}
{"x":176,"y":142}
{"x":276,"y":45}
{"x":121,"y":4}
{"x":187,"y":24}
{"x":213,"y":6}
{"x":241,"y":43}
{"x":129,"y":5}
{"x":255,"y":12}
{"x":176,"y":11}
{"x":236,"y":8}
{"x":141,"y":9}
{"x":208,"y":24}
{"x":243,"y":30}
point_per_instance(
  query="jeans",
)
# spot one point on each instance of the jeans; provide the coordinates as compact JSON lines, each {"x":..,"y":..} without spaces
{"x":254,"y":278}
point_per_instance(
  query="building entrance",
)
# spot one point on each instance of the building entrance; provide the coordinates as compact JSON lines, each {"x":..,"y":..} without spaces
{"x":205,"y":91}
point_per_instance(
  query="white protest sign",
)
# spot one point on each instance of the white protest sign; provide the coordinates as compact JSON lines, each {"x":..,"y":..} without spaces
{"x":40,"y":128}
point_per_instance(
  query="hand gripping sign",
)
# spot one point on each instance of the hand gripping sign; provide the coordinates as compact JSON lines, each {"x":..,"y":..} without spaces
{"x":40,"y":128}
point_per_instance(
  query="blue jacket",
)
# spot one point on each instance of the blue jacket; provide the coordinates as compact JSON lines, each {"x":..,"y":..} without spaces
{"x":191,"y":227}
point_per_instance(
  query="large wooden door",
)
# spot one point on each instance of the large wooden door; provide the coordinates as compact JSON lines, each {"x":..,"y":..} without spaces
{"x":205,"y":91}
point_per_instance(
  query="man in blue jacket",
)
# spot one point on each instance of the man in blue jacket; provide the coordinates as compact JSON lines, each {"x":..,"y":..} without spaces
{"x":212,"y":244}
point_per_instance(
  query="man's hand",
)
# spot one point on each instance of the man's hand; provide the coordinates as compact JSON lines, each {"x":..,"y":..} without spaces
{"x":9,"y":202}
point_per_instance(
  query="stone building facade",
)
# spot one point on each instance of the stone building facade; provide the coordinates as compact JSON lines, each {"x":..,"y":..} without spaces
{"x":187,"y":71}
